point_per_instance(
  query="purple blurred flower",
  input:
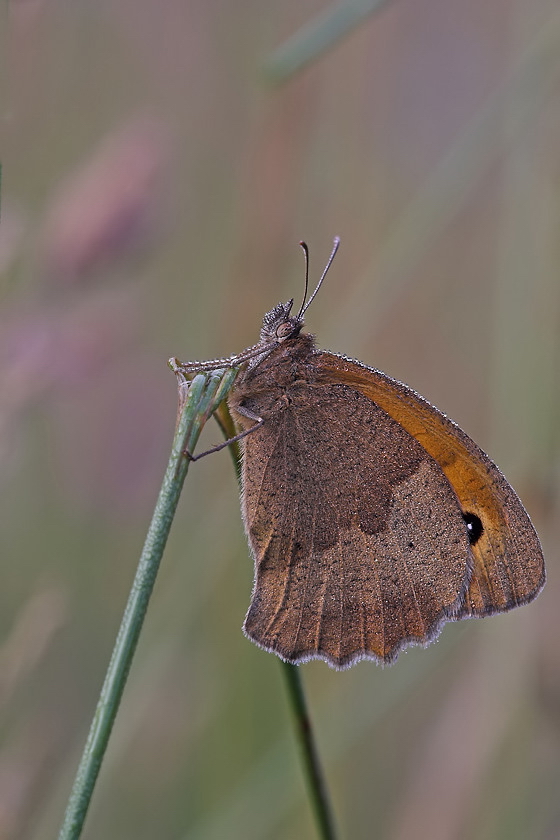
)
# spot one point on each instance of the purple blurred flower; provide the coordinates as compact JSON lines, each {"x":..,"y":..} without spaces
{"x":111,"y":206}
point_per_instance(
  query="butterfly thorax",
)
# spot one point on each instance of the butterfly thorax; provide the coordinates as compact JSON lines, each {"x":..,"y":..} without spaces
{"x":264,"y":389}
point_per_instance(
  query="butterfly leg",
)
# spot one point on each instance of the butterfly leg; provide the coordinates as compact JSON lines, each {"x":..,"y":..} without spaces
{"x":241,"y":410}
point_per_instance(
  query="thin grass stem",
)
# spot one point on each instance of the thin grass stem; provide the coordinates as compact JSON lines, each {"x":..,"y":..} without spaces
{"x":311,"y":765}
{"x":197,"y":401}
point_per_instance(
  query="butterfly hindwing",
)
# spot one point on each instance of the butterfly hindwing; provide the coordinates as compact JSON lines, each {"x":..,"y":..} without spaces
{"x":360,"y":546}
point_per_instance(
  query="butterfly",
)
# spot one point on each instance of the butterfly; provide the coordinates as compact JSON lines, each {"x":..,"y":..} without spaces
{"x":372,"y":518}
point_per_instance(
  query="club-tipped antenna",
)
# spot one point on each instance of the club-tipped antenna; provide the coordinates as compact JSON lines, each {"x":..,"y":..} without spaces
{"x":305,"y":249}
{"x":305,"y":306}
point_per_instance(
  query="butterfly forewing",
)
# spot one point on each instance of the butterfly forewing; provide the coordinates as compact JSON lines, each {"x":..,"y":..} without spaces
{"x":508,"y":561}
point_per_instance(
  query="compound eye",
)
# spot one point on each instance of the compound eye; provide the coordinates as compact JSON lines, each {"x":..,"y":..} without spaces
{"x":284,"y":330}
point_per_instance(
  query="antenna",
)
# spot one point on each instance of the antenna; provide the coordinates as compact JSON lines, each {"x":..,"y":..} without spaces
{"x":305,"y":249}
{"x":305,"y":306}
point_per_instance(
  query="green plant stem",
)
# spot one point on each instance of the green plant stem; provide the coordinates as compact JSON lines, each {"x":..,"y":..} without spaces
{"x":197,"y":401}
{"x":311,"y":764}
{"x":310,"y":760}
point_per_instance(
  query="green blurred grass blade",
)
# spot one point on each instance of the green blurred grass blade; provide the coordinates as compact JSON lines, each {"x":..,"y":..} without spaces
{"x":312,"y":40}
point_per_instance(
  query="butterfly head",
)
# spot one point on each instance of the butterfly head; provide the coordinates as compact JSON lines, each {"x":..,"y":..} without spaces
{"x":278,"y":324}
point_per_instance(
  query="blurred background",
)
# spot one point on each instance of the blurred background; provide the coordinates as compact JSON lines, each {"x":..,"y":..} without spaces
{"x":161,"y":161}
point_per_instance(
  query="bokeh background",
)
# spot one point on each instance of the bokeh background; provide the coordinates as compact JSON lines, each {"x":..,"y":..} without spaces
{"x":161,"y":161}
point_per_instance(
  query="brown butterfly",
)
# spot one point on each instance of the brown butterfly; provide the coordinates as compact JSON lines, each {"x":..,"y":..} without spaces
{"x":372,"y":518}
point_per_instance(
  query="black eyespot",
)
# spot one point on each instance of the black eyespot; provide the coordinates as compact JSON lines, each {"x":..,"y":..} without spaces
{"x":411,"y":545}
{"x":474,"y":527}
